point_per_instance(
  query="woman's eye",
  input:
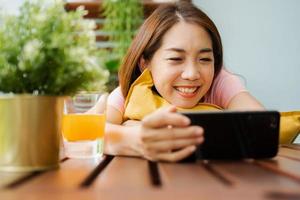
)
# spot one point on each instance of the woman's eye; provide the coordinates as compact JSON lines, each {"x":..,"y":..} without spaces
{"x":175,"y":59}
{"x":206,"y":59}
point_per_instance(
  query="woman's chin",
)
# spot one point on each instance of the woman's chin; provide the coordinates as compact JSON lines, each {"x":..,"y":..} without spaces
{"x":185,"y":106}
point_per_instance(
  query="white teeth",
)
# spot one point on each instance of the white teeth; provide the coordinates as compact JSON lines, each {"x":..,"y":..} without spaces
{"x":186,"y":90}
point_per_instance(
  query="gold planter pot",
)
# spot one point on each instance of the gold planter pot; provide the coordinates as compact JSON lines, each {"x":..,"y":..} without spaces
{"x":30,"y":132}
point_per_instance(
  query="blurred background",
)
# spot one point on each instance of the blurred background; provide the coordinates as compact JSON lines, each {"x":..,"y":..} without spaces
{"x":261,"y":43}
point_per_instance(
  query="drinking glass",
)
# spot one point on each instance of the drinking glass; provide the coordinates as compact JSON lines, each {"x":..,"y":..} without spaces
{"x":82,"y":130}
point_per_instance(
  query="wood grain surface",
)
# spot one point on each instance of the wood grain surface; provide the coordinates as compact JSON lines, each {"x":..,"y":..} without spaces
{"x":136,"y":178}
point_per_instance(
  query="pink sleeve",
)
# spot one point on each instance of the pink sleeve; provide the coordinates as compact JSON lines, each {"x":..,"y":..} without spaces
{"x":224,"y":88}
{"x":116,"y":100}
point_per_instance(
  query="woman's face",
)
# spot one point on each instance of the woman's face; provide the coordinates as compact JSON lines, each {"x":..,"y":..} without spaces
{"x":183,"y":67}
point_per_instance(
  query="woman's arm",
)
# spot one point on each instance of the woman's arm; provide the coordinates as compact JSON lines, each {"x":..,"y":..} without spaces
{"x":113,"y":115}
{"x":244,"y":101}
{"x":229,"y":92}
{"x":163,"y":135}
{"x":122,"y":140}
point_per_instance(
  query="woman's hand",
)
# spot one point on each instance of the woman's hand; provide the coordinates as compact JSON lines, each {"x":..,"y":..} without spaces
{"x":166,"y":135}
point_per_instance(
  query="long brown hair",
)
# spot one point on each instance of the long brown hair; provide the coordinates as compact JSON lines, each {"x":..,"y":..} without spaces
{"x":149,"y":38}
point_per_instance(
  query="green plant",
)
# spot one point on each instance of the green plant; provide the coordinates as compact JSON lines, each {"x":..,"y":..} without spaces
{"x":122,"y":18}
{"x":47,"y":51}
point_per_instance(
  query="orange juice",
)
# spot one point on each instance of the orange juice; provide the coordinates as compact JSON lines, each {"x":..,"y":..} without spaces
{"x":76,"y":127}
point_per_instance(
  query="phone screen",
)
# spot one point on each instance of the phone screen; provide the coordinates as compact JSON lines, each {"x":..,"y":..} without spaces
{"x":237,"y":135}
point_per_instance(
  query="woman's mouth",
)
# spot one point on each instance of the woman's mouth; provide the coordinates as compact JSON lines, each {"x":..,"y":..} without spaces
{"x":187,"y":91}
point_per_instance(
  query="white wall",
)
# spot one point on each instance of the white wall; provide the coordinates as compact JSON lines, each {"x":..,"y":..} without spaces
{"x":10,"y":6}
{"x":261,"y":41}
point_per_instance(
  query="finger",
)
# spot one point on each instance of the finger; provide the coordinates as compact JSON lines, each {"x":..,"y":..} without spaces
{"x":172,"y":133}
{"x":168,"y":145}
{"x":177,"y":155}
{"x":164,"y":117}
{"x":150,"y":156}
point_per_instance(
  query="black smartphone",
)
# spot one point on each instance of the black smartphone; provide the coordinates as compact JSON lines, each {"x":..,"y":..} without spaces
{"x":237,"y":134}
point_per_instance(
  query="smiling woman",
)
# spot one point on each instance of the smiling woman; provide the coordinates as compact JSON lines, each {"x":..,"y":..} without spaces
{"x":183,"y":69}
{"x":175,"y":60}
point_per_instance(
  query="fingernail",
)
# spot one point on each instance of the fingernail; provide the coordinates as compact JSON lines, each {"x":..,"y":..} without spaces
{"x":187,"y":121}
{"x":192,"y":148}
{"x":199,"y":140}
{"x":199,"y":131}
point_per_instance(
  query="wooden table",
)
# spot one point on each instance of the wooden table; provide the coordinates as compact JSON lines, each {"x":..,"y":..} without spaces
{"x":135,"y":178}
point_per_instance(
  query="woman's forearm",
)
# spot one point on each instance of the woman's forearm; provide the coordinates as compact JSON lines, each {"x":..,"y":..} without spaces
{"x":244,"y":101}
{"x":121,"y":140}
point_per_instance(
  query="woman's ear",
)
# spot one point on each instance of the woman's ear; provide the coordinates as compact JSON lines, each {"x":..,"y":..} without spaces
{"x":142,"y":64}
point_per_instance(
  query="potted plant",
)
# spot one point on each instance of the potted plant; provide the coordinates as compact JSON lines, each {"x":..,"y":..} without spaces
{"x":46,"y":53}
{"x":122,"y":19}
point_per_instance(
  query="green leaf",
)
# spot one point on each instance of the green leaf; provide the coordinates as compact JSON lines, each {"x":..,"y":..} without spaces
{"x":46,"y":50}
{"x":122,"y":19}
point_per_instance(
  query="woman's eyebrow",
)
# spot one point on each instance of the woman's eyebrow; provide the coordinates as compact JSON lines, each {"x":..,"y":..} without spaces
{"x":175,"y":49}
{"x":204,"y":50}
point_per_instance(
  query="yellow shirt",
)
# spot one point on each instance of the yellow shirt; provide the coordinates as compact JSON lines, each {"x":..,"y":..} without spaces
{"x":142,"y":100}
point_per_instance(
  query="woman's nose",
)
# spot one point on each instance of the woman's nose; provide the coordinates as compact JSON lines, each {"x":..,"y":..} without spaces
{"x":190,"y":72}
